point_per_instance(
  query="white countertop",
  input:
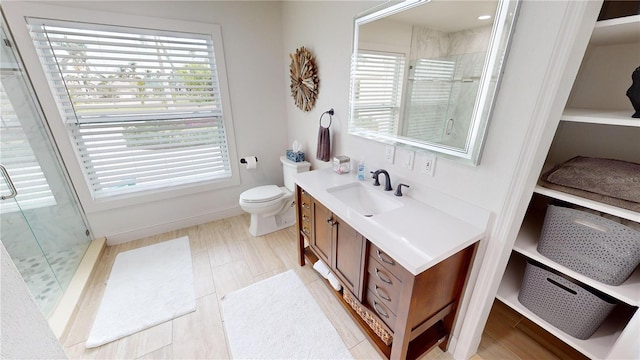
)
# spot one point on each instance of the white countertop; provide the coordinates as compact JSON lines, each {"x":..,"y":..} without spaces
{"x":416,"y":235}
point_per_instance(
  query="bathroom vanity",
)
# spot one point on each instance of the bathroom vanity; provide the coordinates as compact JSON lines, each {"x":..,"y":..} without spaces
{"x":402,"y":264}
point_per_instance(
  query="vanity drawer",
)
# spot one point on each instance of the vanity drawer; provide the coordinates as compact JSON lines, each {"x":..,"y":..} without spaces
{"x":378,"y":307}
{"x":305,"y":212}
{"x":387,"y":262}
{"x":383,"y":284}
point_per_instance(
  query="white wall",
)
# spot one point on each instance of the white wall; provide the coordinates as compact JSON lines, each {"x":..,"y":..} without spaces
{"x":326,"y":28}
{"x":24,"y":332}
{"x":252,"y":37}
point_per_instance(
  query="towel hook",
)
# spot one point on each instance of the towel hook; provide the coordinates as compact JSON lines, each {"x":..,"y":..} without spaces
{"x":330,"y":112}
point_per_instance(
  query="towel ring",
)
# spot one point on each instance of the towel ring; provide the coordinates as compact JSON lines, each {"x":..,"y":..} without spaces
{"x":330,"y":112}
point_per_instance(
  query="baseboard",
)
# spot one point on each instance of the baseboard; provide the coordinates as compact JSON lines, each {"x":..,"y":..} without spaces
{"x":131,"y":235}
{"x":62,"y":316}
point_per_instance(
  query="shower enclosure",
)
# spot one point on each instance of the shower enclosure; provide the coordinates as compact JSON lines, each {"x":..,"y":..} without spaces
{"x":42,"y":225}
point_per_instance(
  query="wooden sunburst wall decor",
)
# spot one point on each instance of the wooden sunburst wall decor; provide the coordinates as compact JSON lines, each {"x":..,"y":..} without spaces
{"x":304,"y":79}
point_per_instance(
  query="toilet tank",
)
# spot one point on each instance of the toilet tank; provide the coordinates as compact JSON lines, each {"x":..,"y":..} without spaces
{"x":290,"y":168}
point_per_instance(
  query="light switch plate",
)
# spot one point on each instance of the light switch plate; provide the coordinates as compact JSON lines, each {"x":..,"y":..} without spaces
{"x":408,"y":159}
{"x":389,"y":153}
{"x":428,"y":165}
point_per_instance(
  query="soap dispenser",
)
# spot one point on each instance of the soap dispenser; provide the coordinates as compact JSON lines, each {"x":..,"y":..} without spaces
{"x":361,"y":170}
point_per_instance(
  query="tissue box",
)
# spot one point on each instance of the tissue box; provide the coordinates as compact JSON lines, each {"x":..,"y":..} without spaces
{"x":295,"y":156}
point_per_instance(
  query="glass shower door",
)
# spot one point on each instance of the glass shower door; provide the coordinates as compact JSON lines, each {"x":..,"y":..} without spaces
{"x":42,"y":227}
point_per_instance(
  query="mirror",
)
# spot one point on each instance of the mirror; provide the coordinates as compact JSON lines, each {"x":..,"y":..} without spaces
{"x":425,"y":74}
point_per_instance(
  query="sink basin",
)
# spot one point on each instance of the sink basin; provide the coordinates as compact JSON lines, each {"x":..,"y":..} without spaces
{"x":364,"y":200}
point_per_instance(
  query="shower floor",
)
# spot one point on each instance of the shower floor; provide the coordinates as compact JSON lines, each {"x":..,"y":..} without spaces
{"x":46,"y":279}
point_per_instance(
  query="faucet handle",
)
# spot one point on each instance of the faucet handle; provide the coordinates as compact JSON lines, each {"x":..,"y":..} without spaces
{"x":376,"y":182}
{"x":399,"y":189}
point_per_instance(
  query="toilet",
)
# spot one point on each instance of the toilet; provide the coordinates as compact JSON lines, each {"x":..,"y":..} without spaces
{"x":272,"y":207}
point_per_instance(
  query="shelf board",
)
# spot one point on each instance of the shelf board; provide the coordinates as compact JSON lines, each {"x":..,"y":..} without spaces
{"x":605,"y":117}
{"x":591,"y":204}
{"x":527,"y":242}
{"x":597,"y":346}
{"x":622,"y":30}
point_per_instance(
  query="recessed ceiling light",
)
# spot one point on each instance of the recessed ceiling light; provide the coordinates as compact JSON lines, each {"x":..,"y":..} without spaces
{"x":484,"y":17}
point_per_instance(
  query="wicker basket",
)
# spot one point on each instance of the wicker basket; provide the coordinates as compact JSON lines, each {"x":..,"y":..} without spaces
{"x":376,"y":325}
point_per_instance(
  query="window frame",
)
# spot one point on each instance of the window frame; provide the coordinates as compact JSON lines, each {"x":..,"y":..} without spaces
{"x":16,"y":14}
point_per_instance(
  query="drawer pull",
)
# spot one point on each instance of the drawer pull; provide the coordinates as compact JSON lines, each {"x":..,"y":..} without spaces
{"x":383,"y":297}
{"x":383,"y":313}
{"x":305,"y":229}
{"x":305,"y":218}
{"x":305,"y":205}
{"x":384,"y":260}
{"x":382,"y":278}
{"x":330,"y":221}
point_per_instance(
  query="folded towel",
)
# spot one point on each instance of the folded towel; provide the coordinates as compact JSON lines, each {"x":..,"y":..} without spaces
{"x":333,"y":280}
{"x":321,"y":268}
{"x":324,"y":144}
{"x":614,"y":178}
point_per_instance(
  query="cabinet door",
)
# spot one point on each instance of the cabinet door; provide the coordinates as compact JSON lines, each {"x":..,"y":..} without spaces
{"x":348,"y":254}
{"x":322,"y":229}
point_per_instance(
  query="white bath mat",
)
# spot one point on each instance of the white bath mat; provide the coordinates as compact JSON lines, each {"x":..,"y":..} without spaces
{"x":147,"y":286}
{"x":278,"y":318}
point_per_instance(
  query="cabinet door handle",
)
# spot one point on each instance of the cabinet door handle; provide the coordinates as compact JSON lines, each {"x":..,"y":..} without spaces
{"x":382,"y":278}
{"x":381,"y":296}
{"x":330,"y":221}
{"x":378,"y":310}
{"x":384,"y":259}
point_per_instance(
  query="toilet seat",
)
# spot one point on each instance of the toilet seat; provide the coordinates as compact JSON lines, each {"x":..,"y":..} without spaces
{"x":261,"y":194}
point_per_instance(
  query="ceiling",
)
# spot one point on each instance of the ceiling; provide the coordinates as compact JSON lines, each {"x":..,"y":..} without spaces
{"x":449,"y":15}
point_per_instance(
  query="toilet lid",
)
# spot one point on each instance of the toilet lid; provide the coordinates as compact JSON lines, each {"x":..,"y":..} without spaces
{"x":261,"y":194}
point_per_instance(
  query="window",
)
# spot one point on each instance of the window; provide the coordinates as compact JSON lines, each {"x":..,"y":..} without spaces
{"x":142,"y":107}
{"x":377,"y":91}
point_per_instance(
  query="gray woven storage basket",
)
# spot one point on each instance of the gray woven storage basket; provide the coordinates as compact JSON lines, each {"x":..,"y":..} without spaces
{"x":575,"y":309}
{"x":596,"y":247}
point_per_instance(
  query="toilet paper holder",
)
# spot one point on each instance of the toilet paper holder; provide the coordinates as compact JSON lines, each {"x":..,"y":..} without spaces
{"x":244,"y":160}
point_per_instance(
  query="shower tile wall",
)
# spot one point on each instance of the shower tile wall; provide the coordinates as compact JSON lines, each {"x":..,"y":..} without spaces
{"x":467,"y":49}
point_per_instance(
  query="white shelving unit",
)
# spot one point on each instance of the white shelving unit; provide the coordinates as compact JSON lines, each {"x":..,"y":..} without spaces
{"x":622,"y":325}
{"x":577,"y":200}
{"x":604,"y":117}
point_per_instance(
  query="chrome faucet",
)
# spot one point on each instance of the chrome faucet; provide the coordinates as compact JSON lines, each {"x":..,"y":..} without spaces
{"x":387,"y":183}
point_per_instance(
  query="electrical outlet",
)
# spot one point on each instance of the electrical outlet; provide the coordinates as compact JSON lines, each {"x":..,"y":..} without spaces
{"x":428,"y":164}
{"x":389,"y":153}
{"x":408,"y":159}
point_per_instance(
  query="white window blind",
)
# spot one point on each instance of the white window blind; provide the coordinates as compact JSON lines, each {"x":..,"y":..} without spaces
{"x":377,"y":91}
{"x":430,"y":83}
{"x":142,"y":107}
{"x":17,"y":156}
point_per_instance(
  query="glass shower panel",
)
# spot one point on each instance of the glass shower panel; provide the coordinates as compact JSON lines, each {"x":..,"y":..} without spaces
{"x":43,"y":227}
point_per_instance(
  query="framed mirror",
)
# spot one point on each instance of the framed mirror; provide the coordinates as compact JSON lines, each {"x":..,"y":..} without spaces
{"x":425,"y":74}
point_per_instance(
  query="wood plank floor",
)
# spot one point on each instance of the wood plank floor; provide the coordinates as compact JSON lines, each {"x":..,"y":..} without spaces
{"x":227,"y":258}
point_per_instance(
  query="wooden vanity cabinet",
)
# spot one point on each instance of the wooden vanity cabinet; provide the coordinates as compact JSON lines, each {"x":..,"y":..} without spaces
{"x":339,"y":246}
{"x":323,"y":232}
{"x":417,"y":310}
